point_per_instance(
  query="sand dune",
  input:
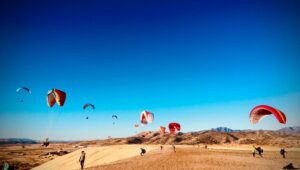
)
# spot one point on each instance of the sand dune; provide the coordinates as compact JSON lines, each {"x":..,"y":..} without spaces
{"x":194,"y":158}
{"x":95,"y":156}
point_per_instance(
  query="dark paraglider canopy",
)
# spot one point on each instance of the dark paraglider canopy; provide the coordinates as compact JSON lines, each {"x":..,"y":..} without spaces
{"x":89,"y":105}
{"x":25,"y":89}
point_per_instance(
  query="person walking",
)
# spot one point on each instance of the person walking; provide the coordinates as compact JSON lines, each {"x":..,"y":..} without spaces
{"x":174,"y":148}
{"x":82,"y":159}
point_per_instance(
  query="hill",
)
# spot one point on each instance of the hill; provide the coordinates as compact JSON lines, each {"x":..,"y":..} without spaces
{"x":260,"y":137}
{"x":293,"y":129}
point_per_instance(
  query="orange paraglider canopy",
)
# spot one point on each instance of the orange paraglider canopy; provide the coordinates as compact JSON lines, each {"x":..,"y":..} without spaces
{"x":162,"y":130}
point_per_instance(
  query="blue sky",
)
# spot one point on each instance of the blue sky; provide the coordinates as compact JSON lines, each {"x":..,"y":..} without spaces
{"x":201,"y":63}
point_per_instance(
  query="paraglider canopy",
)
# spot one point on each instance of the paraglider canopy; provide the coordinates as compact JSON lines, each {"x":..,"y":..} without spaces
{"x":56,"y":96}
{"x":24,"y":88}
{"x":114,"y":117}
{"x":89,"y":105}
{"x":174,"y":127}
{"x":162,"y":130}
{"x":261,"y":111}
{"x":146,"y":117}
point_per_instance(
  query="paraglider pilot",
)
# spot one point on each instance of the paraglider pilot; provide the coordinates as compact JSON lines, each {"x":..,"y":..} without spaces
{"x":260,"y":151}
{"x":82,"y":159}
{"x":253,"y":151}
{"x":282,"y":152}
{"x":46,"y":143}
{"x":143,"y":151}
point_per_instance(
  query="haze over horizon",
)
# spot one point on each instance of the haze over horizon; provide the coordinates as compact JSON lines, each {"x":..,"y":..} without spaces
{"x":203,"y":64}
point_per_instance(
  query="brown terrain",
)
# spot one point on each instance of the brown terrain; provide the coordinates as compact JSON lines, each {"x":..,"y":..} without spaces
{"x":192,"y":158}
{"x":225,"y":151}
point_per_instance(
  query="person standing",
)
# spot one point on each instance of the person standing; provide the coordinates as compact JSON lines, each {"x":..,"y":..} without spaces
{"x":282,"y":152}
{"x":174,"y":148}
{"x":161,"y":147}
{"x":82,"y":159}
{"x":253,"y":151}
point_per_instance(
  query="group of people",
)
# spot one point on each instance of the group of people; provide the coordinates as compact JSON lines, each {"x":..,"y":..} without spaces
{"x":143,"y":150}
{"x":259,"y":150}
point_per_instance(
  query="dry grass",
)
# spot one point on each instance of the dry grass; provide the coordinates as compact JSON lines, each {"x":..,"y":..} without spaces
{"x":30,"y":156}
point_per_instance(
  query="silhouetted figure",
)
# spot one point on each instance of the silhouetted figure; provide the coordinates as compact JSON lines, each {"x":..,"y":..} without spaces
{"x":174,"y":149}
{"x":289,"y":166}
{"x":46,"y":143}
{"x":143,"y":151}
{"x":282,"y":152}
{"x":161,"y":147}
{"x":205,"y":146}
{"x":82,"y":159}
{"x":260,"y":151}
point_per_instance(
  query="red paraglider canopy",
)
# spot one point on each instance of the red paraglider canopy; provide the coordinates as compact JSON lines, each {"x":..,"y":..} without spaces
{"x":174,"y":127}
{"x":56,"y":96}
{"x":259,"y":112}
{"x":146,"y":117}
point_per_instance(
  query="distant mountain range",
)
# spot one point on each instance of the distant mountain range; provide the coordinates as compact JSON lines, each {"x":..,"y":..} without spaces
{"x":18,"y":141}
{"x":224,"y":129}
{"x":293,"y":129}
{"x":213,"y":133}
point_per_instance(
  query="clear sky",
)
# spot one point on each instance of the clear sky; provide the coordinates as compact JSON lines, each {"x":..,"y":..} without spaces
{"x":202,"y":63}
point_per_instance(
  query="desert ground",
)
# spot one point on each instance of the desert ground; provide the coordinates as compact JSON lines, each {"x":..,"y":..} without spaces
{"x":31,"y":155}
{"x":225,"y":151}
{"x":186,"y":157}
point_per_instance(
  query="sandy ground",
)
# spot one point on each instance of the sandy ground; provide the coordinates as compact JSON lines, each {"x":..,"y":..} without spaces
{"x":194,"y":158}
{"x":126,"y":157}
{"x":95,"y":156}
